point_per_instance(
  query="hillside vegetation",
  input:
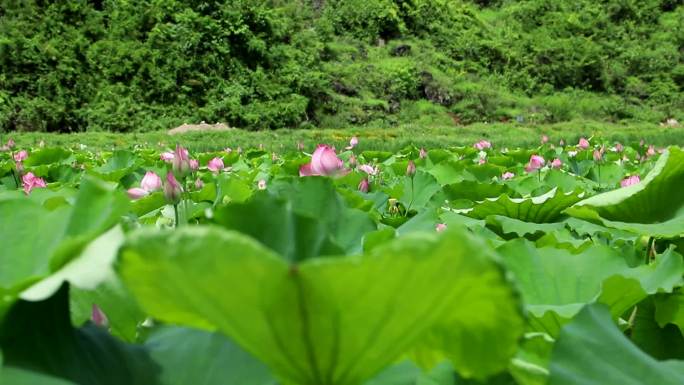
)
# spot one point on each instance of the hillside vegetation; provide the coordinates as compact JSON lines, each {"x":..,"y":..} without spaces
{"x":153,"y":64}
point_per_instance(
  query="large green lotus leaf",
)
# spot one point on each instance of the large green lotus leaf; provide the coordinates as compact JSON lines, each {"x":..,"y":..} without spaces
{"x":654,"y":207}
{"x":449,"y":172}
{"x":662,"y":343}
{"x":306,"y":220}
{"x":119,"y":165}
{"x":555,"y":283}
{"x":591,"y":350}
{"x":540,"y":209}
{"x":47,"y":156}
{"x":474,"y":191}
{"x":325,"y":321}
{"x":46,"y":241}
{"x":123,"y":313}
{"x":506,"y":226}
{"x":190,"y":356}
{"x":531,"y":362}
{"x":38,"y":336}
{"x":408,"y":373}
{"x":670,"y":310}
{"x":14,"y":376}
{"x":419,"y":190}
{"x":92,"y":266}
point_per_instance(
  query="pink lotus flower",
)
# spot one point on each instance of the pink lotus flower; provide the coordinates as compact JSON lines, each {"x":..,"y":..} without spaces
{"x":199,"y":184}
{"x":544,"y":139}
{"x":619,"y":147}
{"x":598,"y":154}
{"x":440,"y":227}
{"x":306,"y":170}
{"x":167,"y":156}
{"x":324,"y":161}
{"x":556,"y":163}
{"x":30,"y":181}
{"x":194,"y":164}
{"x":215,"y":165}
{"x":363,"y":185}
{"x":634,"y":179}
{"x":352,"y":143}
{"x":368,"y":169}
{"x":151,"y":182}
{"x":583,"y":144}
{"x":411,"y":169}
{"x":20,"y":156}
{"x":651,"y":151}
{"x":507,"y":175}
{"x":482,"y":161}
{"x":172,"y":189}
{"x":10,"y":143}
{"x":261,"y":185}
{"x":352,"y":161}
{"x":98,"y":317}
{"x":482,"y":145}
{"x":181,"y":161}
{"x":536,"y":163}
{"x":136,"y":193}
{"x":422,"y":154}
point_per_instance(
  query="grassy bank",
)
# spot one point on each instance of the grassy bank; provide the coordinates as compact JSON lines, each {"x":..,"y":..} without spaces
{"x":501,"y":134}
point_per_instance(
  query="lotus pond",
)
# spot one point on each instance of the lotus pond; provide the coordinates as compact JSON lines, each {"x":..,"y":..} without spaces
{"x":559,"y":264}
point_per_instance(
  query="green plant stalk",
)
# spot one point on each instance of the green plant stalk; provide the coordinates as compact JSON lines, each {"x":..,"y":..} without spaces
{"x":175,"y":212}
{"x":411,"y":201}
{"x":16,"y":179}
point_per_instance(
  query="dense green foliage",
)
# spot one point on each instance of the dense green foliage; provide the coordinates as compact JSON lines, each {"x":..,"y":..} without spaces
{"x":144,"y":65}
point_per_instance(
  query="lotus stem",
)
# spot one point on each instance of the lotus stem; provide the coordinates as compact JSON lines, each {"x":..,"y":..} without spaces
{"x":175,"y":212}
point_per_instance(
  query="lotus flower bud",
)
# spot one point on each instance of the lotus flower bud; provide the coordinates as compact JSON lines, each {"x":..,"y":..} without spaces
{"x":507,"y":175}
{"x":483,"y":145}
{"x":352,"y":143}
{"x":20,"y":156}
{"x":215,"y":165}
{"x":151,"y":182}
{"x":422,"y":154}
{"x":411,"y":169}
{"x":634,"y":179}
{"x":583,"y":144}
{"x":536,"y":163}
{"x":181,"y":161}
{"x":324,"y":161}
{"x":136,"y":193}
{"x":98,"y":317}
{"x":172,"y":189}
{"x":199,"y":184}
{"x":556,"y":163}
{"x":363,"y":185}
{"x":544,"y":139}
{"x":352,"y":161}
{"x":440,"y":227}
{"x":166,"y":156}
